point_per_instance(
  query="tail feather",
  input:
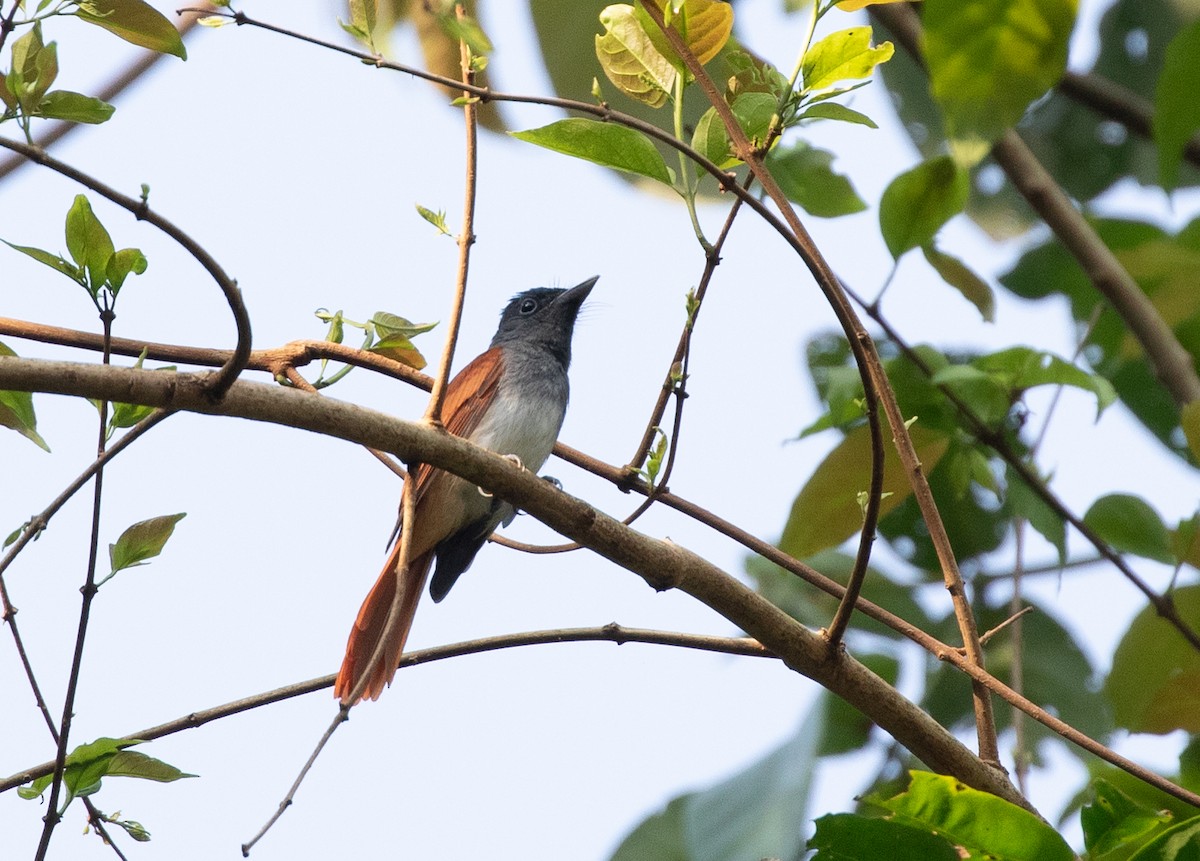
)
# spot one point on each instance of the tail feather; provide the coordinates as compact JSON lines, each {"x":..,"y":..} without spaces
{"x":368,"y":628}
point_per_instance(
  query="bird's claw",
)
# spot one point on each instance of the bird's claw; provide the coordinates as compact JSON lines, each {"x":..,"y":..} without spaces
{"x":514,"y":459}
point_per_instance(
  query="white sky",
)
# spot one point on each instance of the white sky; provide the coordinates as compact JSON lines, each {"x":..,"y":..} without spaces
{"x":299,"y":169}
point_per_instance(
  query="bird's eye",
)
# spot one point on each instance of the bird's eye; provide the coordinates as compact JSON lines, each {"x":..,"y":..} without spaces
{"x":529,"y":306}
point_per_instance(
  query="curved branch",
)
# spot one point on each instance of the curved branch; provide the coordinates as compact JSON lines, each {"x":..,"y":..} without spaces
{"x":611,"y":633}
{"x":662,"y":564}
{"x":141,"y":210}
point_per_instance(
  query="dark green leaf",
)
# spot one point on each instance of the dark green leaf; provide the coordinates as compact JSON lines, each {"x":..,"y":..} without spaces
{"x":959,"y":276}
{"x":980,"y":823}
{"x":1154,"y":685}
{"x":1178,"y":843}
{"x":142,"y":541}
{"x":16,"y":411}
{"x":805,"y":176}
{"x":1024,"y":502}
{"x":1057,"y":674}
{"x":815,"y":608}
{"x":836,"y":111}
{"x":603,"y":143}
{"x":74,"y":107}
{"x":711,"y":140}
{"x":1176,"y":108}
{"x":1115,"y":821}
{"x":851,"y":837}
{"x":1131,"y":525}
{"x":134,"y":21}
{"x":918,"y":202}
{"x":754,"y":112}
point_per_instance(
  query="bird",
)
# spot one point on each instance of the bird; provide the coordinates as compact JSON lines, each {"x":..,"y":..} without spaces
{"x":511,"y":399}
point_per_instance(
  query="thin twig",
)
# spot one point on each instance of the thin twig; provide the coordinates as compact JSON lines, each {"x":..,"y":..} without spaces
{"x":53,"y":815}
{"x":610,"y":633}
{"x":53,"y":132}
{"x":6,"y":25}
{"x":141,"y":210}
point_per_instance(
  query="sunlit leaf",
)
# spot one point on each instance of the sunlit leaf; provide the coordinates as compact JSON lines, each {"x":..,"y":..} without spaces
{"x":630,"y":60}
{"x":852,"y":836}
{"x":989,"y":59}
{"x":826,"y":511}
{"x":134,"y":21}
{"x":836,"y":111}
{"x":1154,"y":685}
{"x":982,"y":824}
{"x":846,"y":55}
{"x":88,"y":242}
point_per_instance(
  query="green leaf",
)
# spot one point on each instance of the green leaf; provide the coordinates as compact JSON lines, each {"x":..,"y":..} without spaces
{"x":988,"y":60}
{"x":134,"y":21}
{"x":58,"y":264}
{"x":836,"y":111}
{"x":104,"y":757}
{"x":851,"y":836}
{"x":754,"y":112}
{"x":400,"y":349}
{"x":121,"y":265}
{"x":658,"y":837}
{"x":846,"y":55}
{"x":1154,"y":685}
{"x":389,"y":325}
{"x":1056,"y":673}
{"x":1176,"y":108}
{"x":1024,"y":502}
{"x":959,"y":276}
{"x":805,"y":175}
{"x":712,"y":141}
{"x":1131,"y":525}
{"x":826,"y":512}
{"x":605,"y":144}
{"x":918,"y":202}
{"x":813,"y":607}
{"x":131,"y":763}
{"x":984,"y":825}
{"x":1115,"y":821}
{"x":1177,"y":843}
{"x":1021,"y":368}
{"x":465,"y":29}
{"x":142,"y":541}
{"x":437,"y":219}
{"x":74,"y":107}
{"x":88,"y":242}
{"x":630,"y":60}
{"x":1189,"y":419}
{"x":16,"y":411}
{"x":756,"y":813}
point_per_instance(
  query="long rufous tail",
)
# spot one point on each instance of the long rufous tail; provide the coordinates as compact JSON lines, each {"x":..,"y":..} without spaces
{"x":368,"y":628}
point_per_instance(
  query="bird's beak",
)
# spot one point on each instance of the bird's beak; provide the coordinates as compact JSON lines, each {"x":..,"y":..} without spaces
{"x":579,"y":292}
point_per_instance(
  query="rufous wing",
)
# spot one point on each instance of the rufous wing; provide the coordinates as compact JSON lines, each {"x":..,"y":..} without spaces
{"x":467,"y":398}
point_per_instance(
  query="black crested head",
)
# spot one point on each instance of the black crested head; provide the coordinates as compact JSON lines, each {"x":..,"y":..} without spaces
{"x":545,"y":317}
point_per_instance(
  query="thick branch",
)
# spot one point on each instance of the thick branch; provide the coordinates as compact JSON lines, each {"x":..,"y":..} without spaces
{"x":662,"y":564}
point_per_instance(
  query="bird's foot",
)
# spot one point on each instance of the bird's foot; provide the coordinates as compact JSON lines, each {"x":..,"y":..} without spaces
{"x":511,"y":457}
